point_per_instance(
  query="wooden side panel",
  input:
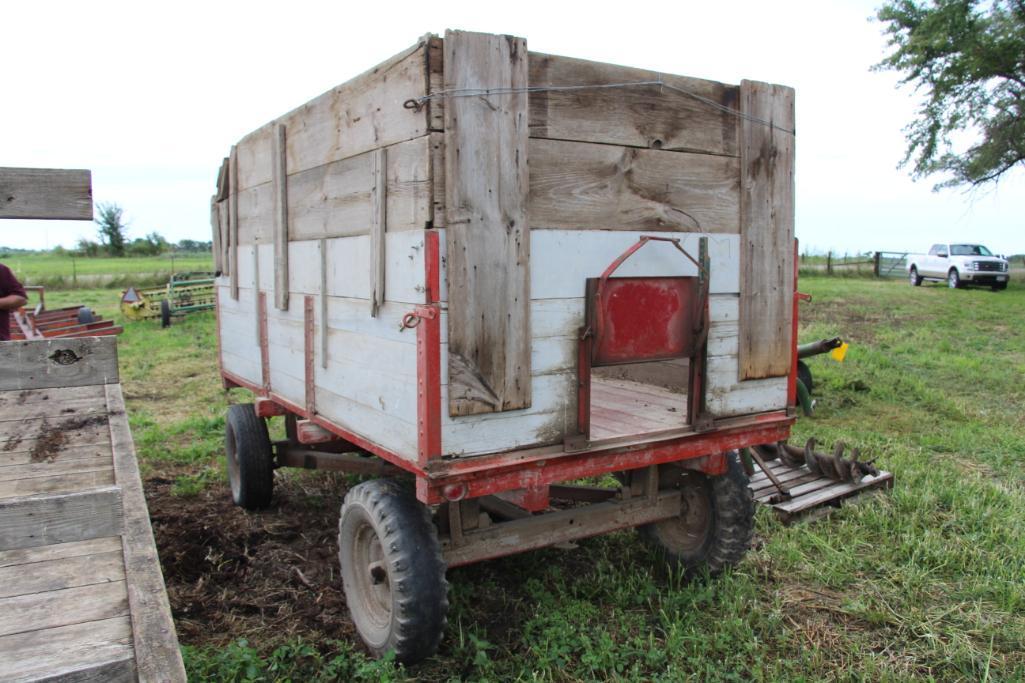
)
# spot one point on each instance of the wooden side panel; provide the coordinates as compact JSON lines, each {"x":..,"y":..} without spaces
{"x":767,"y":230}
{"x":644,"y":116}
{"x":580,"y":186}
{"x":334,"y":200}
{"x":215,"y":230}
{"x":486,"y":183}
{"x":58,"y":363}
{"x":360,"y":115}
{"x":92,"y":651}
{"x":280,"y":216}
{"x":47,"y":193}
{"x":378,"y":220}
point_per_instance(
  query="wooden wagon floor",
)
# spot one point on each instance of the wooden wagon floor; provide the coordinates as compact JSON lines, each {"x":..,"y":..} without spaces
{"x":80,"y":585}
{"x":621,"y":407}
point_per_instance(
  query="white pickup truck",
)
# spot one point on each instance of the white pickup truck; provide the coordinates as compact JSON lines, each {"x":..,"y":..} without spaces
{"x":959,"y":265}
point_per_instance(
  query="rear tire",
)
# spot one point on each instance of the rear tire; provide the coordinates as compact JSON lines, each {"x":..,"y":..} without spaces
{"x":916,"y":280}
{"x":716,"y":523}
{"x":165,"y":313}
{"x":250,"y":458}
{"x":392,"y":571}
{"x":999,"y":287}
{"x":953,"y":279}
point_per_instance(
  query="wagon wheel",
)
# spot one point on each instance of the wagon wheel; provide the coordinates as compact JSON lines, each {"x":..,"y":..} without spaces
{"x":392,"y":570}
{"x":716,"y":522}
{"x":804,"y":374}
{"x":250,"y":458}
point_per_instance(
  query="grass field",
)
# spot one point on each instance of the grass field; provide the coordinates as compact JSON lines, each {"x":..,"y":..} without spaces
{"x":65,"y":272}
{"x":926,"y":582}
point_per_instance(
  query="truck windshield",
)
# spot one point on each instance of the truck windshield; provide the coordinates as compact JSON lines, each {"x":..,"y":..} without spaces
{"x":969,"y":250}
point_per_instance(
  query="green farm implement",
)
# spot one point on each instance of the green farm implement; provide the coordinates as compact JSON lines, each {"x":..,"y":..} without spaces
{"x":184,"y":293}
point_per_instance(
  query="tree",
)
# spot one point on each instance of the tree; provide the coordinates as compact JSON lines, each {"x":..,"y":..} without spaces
{"x":109,"y":217}
{"x":968,"y":57}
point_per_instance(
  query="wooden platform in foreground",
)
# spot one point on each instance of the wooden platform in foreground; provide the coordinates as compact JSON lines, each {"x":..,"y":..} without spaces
{"x":82,"y":597}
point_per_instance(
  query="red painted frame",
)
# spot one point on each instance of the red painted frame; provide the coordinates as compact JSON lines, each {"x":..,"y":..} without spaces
{"x":530,"y":469}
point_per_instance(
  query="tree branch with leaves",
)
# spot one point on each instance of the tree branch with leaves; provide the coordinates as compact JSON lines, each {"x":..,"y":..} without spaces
{"x":968,"y":59}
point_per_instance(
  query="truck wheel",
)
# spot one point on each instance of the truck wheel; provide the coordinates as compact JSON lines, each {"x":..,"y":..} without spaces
{"x":250,"y":458}
{"x":916,"y":281}
{"x":999,"y":287}
{"x":716,"y":524}
{"x":165,"y":313}
{"x":953,"y":279}
{"x":392,"y":571}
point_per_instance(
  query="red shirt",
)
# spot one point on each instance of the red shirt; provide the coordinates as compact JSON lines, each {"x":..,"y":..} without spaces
{"x":8,"y":285}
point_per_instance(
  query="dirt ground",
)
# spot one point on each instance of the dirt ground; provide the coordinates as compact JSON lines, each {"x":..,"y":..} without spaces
{"x":263,"y":576}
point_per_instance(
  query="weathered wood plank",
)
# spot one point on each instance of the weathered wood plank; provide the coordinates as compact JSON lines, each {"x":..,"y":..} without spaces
{"x":646,"y":116}
{"x":82,"y":454}
{"x":58,"y":574}
{"x":334,"y":200}
{"x":62,"y":608}
{"x":767,"y":230}
{"x":83,"y":478}
{"x":488,"y":239}
{"x":581,"y":186}
{"x":46,"y":193}
{"x":215,"y":231}
{"x":59,"y":551}
{"x":378,"y":221}
{"x":40,"y":364}
{"x":62,"y":518}
{"x":50,"y":402}
{"x":280,"y":214}
{"x":357,"y":116}
{"x":156,"y":646}
{"x":70,"y":653}
{"x":233,"y":219}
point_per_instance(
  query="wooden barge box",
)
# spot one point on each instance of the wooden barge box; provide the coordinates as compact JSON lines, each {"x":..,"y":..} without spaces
{"x":501,"y":272}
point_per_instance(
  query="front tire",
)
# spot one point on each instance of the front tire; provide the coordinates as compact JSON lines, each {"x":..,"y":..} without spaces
{"x":250,"y":458}
{"x":999,"y":287}
{"x":392,"y":571}
{"x":916,"y":280}
{"x":716,"y":523}
{"x":953,"y":279}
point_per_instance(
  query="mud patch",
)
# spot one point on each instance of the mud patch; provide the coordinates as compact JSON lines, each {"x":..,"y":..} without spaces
{"x":266,"y":576}
{"x":52,"y":438}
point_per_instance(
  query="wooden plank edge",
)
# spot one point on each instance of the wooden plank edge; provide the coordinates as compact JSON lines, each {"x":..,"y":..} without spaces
{"x":158,"y":657}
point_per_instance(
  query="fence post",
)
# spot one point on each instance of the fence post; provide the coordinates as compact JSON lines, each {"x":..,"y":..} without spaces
{"x":829,"y":262}
{"x":875,"y":264}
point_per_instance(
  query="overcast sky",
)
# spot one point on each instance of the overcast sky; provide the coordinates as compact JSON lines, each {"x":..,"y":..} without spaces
{"x":151,"y":96}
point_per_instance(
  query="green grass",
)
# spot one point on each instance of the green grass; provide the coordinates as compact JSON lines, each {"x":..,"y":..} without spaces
{"x":926,"y":582}
{"x":65,"y":272}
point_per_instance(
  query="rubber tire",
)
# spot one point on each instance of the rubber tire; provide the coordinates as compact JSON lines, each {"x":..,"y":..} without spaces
{"x":165,"y":313}
{"x":999,"y":287}
{"x":411,"y":616}
{"x":804,"y":374}
{"x":250,"y":458}
{"x":730,"y":526}
{"x":916,"y":280}
{"x":954,"y":279}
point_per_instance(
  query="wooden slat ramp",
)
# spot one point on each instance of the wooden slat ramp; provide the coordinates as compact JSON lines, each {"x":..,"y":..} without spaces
{"x":82,"y":597}
{"x":811,"y":494}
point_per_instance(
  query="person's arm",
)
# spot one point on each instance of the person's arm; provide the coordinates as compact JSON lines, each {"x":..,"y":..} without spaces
{"x":14,"y":296}
{"x":12,"y":301}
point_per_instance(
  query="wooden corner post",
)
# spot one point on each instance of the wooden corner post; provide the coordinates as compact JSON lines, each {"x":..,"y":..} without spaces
{"x":487,"y":236}
{"x":766,"y":229}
